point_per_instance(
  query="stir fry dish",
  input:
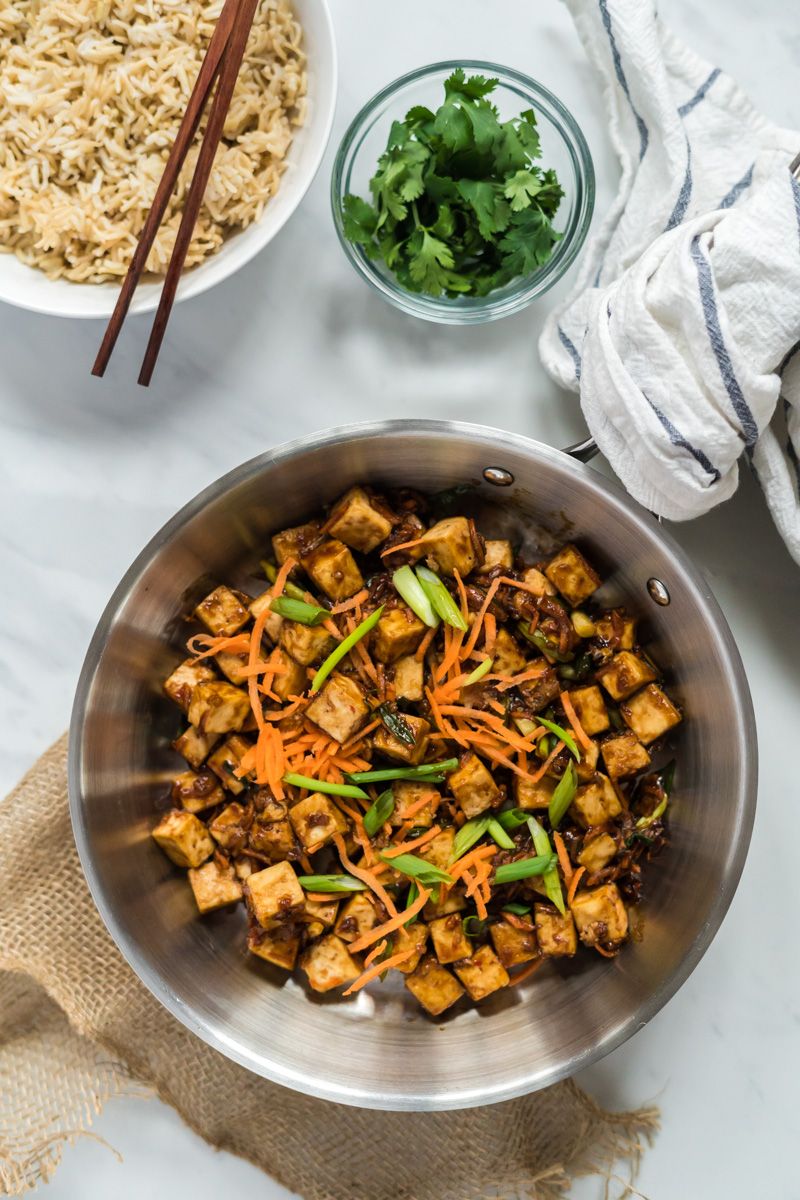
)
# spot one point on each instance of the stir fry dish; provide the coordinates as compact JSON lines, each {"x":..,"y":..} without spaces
{"x":415,"y":751}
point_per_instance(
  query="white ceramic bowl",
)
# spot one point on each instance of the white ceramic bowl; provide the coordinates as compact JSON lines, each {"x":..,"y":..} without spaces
{"x":29,"y":288}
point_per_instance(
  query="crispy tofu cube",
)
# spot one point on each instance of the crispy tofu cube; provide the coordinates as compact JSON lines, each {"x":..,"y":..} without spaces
{"x":274,"y":892}
{"x":407,"y":795}
{"x":295,"y":542}
{"x":291,"y":679}
{"x":357,"y":917}
{"x":513,"y":946}
{"x":497,"y":553}
{"x":274,"y":838}
{"x":433,"y":986}
{"x":455,"y":901}
{"x":319,"y":915}
{"x":232,"y":666}
{"x":624,"y":755}
{"x":410,"y":937}
{"x":449,"y":940}
{"x":267,"y":807}
{"x":597,"y":852}
{"x":358,"y":521}
{"x":439,"y":850}
{"x":395,"y":748}
{"x":508,"y":656}
{"x":448,"y":546}
{"x":572,"y":575}
{"x":473,"y":786}
{"x":279,"y":948}
{"x":625,"y":674}
{"x":595,"y":803}
{"x":590,"y":709}
{"x":586,"y":769}
{"x":307,"y":644}
{"x":542,"y":690}
{"x":195,"y":746}
{"x":398,"y":633}
{"x":650,"y":714}
{"x":274,"y":622}
{"x":195,"y":791}
{"x":225,"y":761}
{"x":222,"y":612}
{"x":183,"y":838}
{"x":315,"y":820}
{"x":329,"y":964}
{"x":184,"y":679}
{"x":334,"y":570}
{"x":619,"y":632}
{"x":555,"y":934}
{"x":600,"y":915}
{"x":530,"y":795}
{"x":339,"y":709}
{"x":227,"y":827}
{"x":408,"y":678}
{"x":218,"y":707}
{"x":539,"y":582}
{"x":482,"y":974}
{"x":214,"y":886}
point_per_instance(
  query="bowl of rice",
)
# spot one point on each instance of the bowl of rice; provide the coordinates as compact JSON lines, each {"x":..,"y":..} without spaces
{"x":91,"y":96}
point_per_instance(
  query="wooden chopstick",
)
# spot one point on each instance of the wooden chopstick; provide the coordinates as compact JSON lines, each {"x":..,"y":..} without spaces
{"x":229,"y":73}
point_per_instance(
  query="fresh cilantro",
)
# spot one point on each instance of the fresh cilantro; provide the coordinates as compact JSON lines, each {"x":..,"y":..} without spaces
{"x":459,"y":203}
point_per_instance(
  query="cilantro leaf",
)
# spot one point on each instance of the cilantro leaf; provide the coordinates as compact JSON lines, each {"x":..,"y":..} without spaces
{"x":453,"y":126}
{"x":360,"y":220}
{"x":521,"y":188}
{"x":488,"y":204}
{"x":429,"y":258}
{"x":418,"y":115}
{"x":528,"y":241}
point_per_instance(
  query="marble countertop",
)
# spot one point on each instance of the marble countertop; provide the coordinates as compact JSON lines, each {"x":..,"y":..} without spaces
{"x":296,"y":342}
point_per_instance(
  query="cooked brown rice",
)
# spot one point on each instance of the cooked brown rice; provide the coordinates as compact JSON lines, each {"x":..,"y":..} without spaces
{"x":91,"y":96}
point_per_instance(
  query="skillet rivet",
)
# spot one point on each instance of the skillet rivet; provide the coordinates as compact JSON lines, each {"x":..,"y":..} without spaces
{"x":658,"y":592}
{"x":499,"y":476}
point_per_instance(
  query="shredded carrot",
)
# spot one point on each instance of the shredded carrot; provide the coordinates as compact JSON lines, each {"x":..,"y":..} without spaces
{"x":481,"y":871}
{"x":239,"y":644}
{"x":516,"y":922}
{"x":495,"y":724}
{"x":537,"y":775}
{"x":255,"y":645}
{"x":360,"y":651}
{"x":573,"y":887}
{"x":422,"y":648}
{"x":417,"y":805}
{"x":563,"y":857}
{"x":456,"y":869}
{"x":572,"y":717}
{"x":444,"y":726}
{"x":462,"y":593}
{"x":280,"y":579}
{"x":288,"y":711}
{"x":504,"y":682}
{"x":362,"y":733}
{"x":414,"y":843}
{"x":453,"y":639}
{"x":393,"y":960}
{"x":517,"y":583}
{"x":376,"y":952}
{"x":490,"y":633}
{"x":403,"y":546}
{"x":531,"y":969}
{"x":332,"y":628}
{"x":491,"y":750}
{"x":605,"y":953}
{"x":396,"y":922}
{"x":322,"y":897}
{"x":367,"y":877}
{"x":472,"y":640}
{"x":353,"y":602}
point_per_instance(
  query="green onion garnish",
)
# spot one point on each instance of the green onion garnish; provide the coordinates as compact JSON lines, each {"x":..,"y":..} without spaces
{"x":552,"y":883}
{"x":482,"y":669}
{"x":396,"y":723}
{"x":563,"y":736}
{"x":427,"y":771}
{"x":344,"y":648}
{"x":473,"y":926}
{"x":524,"y":868}
{"x":441,"y":601}
{"x":543,"y":746}
{"x":469,"y":833}
{"x":551,"y":652}
{"x":322,"y":785}
{"x":519,"y":910}
{"x":512,"y":818}
{"x":415,"y":595}
{"x":496,"y":831}
{"x":657,"y":812}
{"x":298,"y":610}
{"x":563,"y":795}
{"x":378,"y":814}
{"x":413,"y":892}
{"x":289,"y":588}
{"x":330,"y":883}
{"x":417,"y":868}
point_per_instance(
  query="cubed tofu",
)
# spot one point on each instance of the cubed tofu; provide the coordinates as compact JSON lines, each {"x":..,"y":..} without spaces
{"x":329,"y":964}
{"x":274,"y":892}
{"x":222,"y":612}
{"x":244,"y":868}
{"x":433,"y":986}
{"x":226,"y":760}
{"x":232,"y":666}
{"x":358,"y":916}
{"x":497,"y":553}
{"x":449,"y":548}
{"x":454,"y":901}
{"x":595,"y":803}
{"x":358,"y":522}
{"x":290,"y":679}
{"x":538,"y":582}
{"x":513,"y":946}
{"x":334,"y":570}
{"x":273,"y":623}
{"x":294,"y":542}
{"x":274,"y":838}
{"x":618,"y":631}
{"x":572,"y":575}
{"x":183,"y":838}
{"x":590,"y":709}
{"x":218,"y":707}
{"x":449,"y":940}
{"x":228,"y":829}
{"x":408,"y":678}
{"x":395,"y":748}
{"x":195,"y":791}
{"x":600,"y":915}
{"x":555,"y":934}
{"x":214,"y":886}
{"x":279,"y":948}
{"x":319,"y":915}
{"x":625,"y":674}
{"x":315,"y":821}
{"x":267,"y":807}
{"x":597,"y":852}
{"x":473,"y":786}
{"x":482,"y":974}
{"x":439,"y":850}
{"x":408,"y":793}
{"x":508,"y":656}
{"x":410,"y":937}
{"x":650,"y":714}
{"x":543,"y":689}
{"x":307,"y":644}
{"x":398,"y":633}
{"x":181,"y":684}
{"x":339,"y":709}
{"x":624,"y":755}
{"x":195,"y":746}
{"x":586,"y":769}
{"x":531,"y":795}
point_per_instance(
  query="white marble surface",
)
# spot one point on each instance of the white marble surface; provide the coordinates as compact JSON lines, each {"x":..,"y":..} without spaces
{"x":295,"y":342}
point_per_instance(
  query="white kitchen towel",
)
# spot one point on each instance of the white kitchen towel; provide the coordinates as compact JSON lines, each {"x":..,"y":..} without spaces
{"x":682,"y":331}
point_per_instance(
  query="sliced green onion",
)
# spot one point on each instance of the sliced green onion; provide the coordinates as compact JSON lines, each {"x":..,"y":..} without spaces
{"x":524,"y":868}
{"x":428,"y":771}
{"x":378,"y":813}
{"x":525,"y":726}
{"x":416,"y":868}
{"x":397,"y":725}
{"x":482,"y":669}
{"x":563,"y":736}
{"x":657,"y":812}
{"x":322,"y":785}
{"x":666,"y":778}
{"x":551,"y":652}
{"x":415,"y":595}
{"x":413,"y":892}
{"x":512,"y":818}
{"x":496,"y":831}
{"x":550,"y":878}
{"x":519,"y":910}
{"x":469,"y":833}
{"x":330,"y":883}
{"x":563,"y":795}
{"x":473,"y":926}
{"x":344,"y":648}
{"x":290,"y":589}
{"x":441,"y":601}
{"x":298,"y":610}
{"x":543,"y":746}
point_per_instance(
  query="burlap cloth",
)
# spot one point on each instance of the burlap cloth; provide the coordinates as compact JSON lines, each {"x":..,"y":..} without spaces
{"x":77,"y":1027}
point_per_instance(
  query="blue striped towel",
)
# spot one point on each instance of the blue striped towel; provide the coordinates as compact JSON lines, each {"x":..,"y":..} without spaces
{"x":682,"y":331}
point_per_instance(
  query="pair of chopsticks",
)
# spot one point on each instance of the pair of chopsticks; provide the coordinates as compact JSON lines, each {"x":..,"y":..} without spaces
{"x":221,"y":65}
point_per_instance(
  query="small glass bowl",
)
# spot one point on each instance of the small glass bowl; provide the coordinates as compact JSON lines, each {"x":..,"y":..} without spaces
{"x":564,"y":148}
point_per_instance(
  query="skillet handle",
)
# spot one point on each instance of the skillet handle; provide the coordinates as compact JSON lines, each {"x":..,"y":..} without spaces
{"x":582,"y":451}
